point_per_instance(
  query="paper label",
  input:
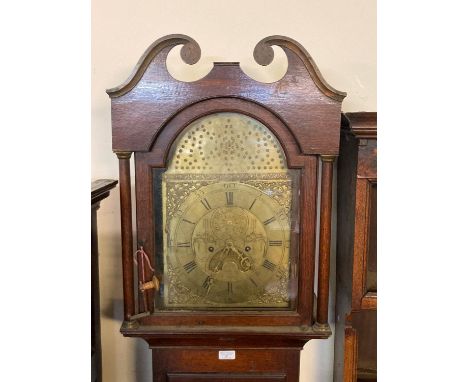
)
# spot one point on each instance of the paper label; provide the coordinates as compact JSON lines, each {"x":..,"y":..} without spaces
{"x":227,"y":354}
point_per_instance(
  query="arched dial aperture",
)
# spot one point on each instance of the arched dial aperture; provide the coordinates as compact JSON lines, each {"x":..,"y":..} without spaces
{"x":227,"y":202}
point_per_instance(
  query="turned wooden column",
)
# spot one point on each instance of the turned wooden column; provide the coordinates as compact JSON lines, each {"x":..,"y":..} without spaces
{"x":127,"y":234}
{"x":325,"y":237}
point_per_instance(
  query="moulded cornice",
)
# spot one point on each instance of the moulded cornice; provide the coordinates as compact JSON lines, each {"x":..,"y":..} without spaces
{"x":151,"y":96}
{"x":190,"y":54}
{"x":264,"y":54}
{"x":362,"y":124}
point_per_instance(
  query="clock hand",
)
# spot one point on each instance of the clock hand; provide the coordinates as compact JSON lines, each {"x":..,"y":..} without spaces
{"x":243,"y":258}
{"x":221,"y":255}
{"x":209,"y":284}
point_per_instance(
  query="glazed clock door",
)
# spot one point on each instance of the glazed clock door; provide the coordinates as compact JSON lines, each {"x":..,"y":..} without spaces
{"x":228,"y":207}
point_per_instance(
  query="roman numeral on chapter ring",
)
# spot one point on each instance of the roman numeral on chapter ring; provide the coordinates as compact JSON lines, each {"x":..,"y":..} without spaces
{"x":229,"y":198}
{"x":190,"y":266}
{"x":275,"y":243}
{"x":269,"y":265}
{"x":205,"y":203}
{"x":229,"y":287}
{"x":268,"y":221}
{"x":183,"y":245}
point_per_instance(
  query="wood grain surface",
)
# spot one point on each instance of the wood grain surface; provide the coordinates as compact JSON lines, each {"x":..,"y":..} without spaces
{"x":356,"y":296}
{"x":151,"y":97}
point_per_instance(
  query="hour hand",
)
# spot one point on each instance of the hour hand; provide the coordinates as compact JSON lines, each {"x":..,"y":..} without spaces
{"x":217,"y":261}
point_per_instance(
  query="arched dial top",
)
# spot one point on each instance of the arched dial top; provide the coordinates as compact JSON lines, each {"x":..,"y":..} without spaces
{"x":227,"y":143}
{"x":227,"y":198}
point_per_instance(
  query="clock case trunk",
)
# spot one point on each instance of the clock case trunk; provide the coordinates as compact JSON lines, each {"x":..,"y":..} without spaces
{"x":149,"y":111}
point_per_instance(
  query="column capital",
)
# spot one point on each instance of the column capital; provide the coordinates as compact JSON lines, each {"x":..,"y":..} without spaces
{"x":123,"y":154}
{"x":328,"y":158}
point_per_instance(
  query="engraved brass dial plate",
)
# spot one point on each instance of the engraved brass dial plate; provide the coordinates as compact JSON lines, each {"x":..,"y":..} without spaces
{"x":227,"y":205}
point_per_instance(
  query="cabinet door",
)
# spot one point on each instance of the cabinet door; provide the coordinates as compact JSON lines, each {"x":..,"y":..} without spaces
{"x":365,"y":228}
{"x":365,"y":246}
{"x":365,"y":324}
{"x":360,"y":347}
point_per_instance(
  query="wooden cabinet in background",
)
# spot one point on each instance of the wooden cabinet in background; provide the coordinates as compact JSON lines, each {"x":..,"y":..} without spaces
{"x":356,"y":259}
{"x":100,"y":189}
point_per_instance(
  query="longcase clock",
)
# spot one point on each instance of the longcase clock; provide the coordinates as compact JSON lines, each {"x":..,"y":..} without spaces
{"x":220,"y":281}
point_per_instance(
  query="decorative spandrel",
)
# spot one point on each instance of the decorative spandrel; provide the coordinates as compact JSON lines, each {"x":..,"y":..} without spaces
{"x":228,"y":203}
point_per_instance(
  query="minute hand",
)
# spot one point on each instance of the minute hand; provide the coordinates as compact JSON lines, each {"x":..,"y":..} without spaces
{"x":221,"y":258}
{"x":243,"y":259}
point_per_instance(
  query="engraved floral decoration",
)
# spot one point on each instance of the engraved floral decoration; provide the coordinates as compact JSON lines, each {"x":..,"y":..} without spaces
{"x":235,"y":148}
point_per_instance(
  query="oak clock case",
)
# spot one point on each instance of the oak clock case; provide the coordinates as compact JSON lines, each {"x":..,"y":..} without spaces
{"x":227,"y":178}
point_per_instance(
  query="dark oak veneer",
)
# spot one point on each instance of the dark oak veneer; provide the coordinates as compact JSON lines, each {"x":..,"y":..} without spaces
{"x":356,"y":301}
{"x":189,"y":364}
{"x":149,"y":110}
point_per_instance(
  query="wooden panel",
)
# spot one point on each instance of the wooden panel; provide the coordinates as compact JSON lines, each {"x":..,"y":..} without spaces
{"x":215,"y":377}
{"x":351,"y":355}
{"x":369,"y":301}
{"x":306,"y":259}
{"x":346,"y":198}
{"x":365,"y":243}
{"x":181,"y":364}
{"x":324,"y":244}
{"x":360,"y":241}
{"x":367,"y":162}
{"x":371,"y":263}
{"x":126,"y":234}
{"x":365,"y":324}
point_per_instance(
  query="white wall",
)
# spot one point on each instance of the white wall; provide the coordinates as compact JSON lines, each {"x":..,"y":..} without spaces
{"x":339,"y":34}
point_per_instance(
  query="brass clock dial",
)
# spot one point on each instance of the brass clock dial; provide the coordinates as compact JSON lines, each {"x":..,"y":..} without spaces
{"x":227,"y":222}
{"x":229,"y":242}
